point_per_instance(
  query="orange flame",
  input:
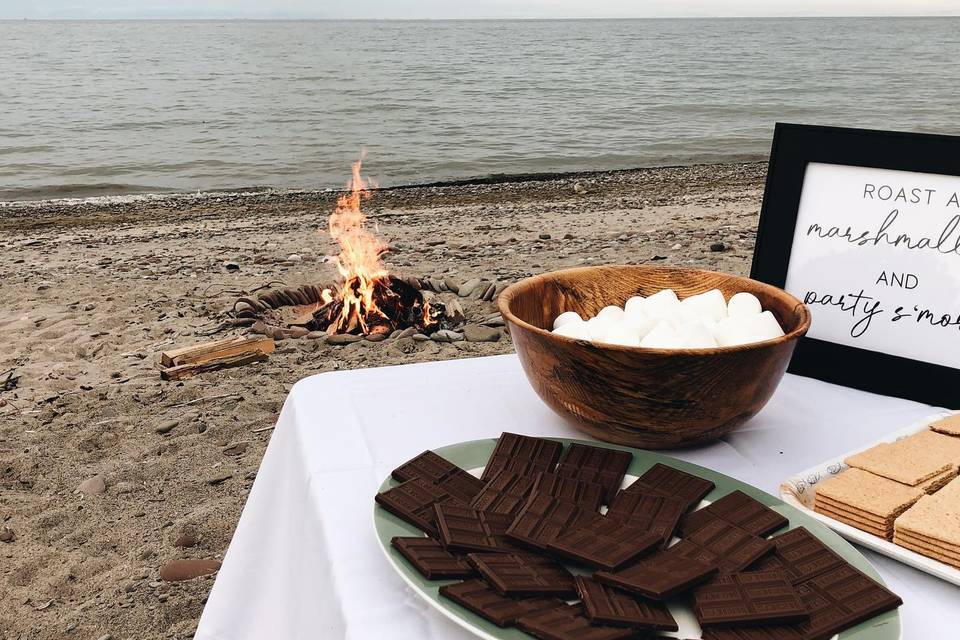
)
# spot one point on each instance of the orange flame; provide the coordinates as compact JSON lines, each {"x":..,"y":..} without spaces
{"x":359,"y":261}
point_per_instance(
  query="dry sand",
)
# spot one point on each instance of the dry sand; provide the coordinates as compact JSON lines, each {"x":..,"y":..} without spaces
{"x":93,"y":291}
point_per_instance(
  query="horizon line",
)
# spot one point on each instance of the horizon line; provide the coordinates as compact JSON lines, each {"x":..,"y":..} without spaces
{"x":474,"y":19}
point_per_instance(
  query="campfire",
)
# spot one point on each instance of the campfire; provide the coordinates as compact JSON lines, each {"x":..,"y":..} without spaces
{"x":369,"y":300}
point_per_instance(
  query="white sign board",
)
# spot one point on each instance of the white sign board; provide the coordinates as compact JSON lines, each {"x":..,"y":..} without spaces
{"x":876,"y":257}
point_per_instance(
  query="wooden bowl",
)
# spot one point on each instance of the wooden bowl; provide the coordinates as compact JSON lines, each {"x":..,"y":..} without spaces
{"x":652,"y":398}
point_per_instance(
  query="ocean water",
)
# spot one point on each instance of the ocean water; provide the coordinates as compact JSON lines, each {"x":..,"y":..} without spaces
{"x":94,"y":108}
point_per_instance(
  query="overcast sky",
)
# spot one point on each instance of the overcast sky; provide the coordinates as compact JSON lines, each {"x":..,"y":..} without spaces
{"x":17,"y":9}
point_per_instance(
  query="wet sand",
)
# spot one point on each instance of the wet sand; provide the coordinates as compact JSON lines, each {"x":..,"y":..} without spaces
{"x":93,"y":290}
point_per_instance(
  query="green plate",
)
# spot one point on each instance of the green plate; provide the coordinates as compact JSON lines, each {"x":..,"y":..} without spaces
{"x":473,"y":455}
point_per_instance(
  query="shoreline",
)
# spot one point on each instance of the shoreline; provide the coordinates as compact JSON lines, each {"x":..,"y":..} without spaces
{"x":241,"y":192}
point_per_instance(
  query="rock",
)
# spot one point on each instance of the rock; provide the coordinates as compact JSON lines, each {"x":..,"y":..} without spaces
{"x":420,"y":337}
{"x":544,"y":236}
{"x":180,"y":570}
{"x":237,"y":449}
{"x":376,"y":337}
{"x":260,"y":328}
{"x":124,"y":487}
{"x":454,"y":311}
{"x":568,"y":236}
{"x":406,"y":333}
{"x":467,"y":287}
{"x":43,"y":286}
{"x":296,"y":332}
{"x":218,"y":479}
{"x":168,"y":426}
{"x":343,"y":338}
{"x":717,"y":247}
{"x":231,"y":266}
{"x":7,"y":535}
{"x":105,"y":636}
{"x":477,"y":333}
{"x":496,"y":320}
{"x":186,"y":540}
{"x":294,"y":257}
{"x":676,"y":247}
{"x":446,"y":335}
{"x":452,"y":285}
{"x":488,"y":294}
{"x":316,"y":335}
{"x":579,"y":188}
{"x":92,"y":486}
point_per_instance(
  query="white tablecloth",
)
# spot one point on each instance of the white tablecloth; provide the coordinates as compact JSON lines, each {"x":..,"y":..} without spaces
{"x":304,"y":561}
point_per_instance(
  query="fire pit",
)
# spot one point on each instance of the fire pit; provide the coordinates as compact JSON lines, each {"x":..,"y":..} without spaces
{"x":368,"y":302}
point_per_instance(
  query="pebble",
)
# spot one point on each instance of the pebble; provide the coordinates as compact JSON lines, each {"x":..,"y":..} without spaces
{"x":218,"y":479}
{"x":294,"y":257}
{"x":296,"y":332}
{"x":235,"y":449}
{"x":476,"y":333}
{"x":179,"y":570}
{"x":451,"y":284}
{"x":406,"y":333}
{"x":420,"y":337}
{"x":186,"y":540}
{"x":544,"y":236}
{"x":717,"y":247}
{"x":579,"y":188}
{"x":231,"y":266}
{"x":446,"y":335}
{"x":316,"y":335}
{"x":467,"y":287}
{"x":676,"y":247}
{"x":92,"y":486}
{"x":343,"y":338}
{"x":7,"y":535}
{"x":376,"y":337}
{"x":105,"y":636}
{"x":568,"y":236}
{"x":168,"y":426}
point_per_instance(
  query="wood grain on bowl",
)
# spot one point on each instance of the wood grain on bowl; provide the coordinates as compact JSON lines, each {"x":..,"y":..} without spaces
{"x":652,"y":398}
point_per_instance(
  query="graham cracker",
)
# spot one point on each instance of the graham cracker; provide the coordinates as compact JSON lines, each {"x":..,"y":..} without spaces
{"x":939,"y":557}
{"x":885,"y":533}
{"x":933,"y":546}
{"x":907,"y":461}
{"x":937,"y":446}
{"x":935,"y":517}
{"x":861,"y":490}
{"x":936,"y":483}
{"x":949,"y":425}
{"x":847,"y":511}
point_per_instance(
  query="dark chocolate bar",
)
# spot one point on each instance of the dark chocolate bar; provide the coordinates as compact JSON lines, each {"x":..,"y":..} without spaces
{"x":599,"y":465}
{"x":604,"y":605}
{"x":747,"y":600}
{"x":734,"y":548}
{"x":673,"y":483}
{"x":523,"y":574}
{"x":569,"y":622}
{"x":604,"y":543}
{"x":413,"y":501}
{"x":663,"y":575}
{"x":466,"y":529}
{"x":800,"y":555}
{"x":522,"y":454}
{"x":740,"y":509}
{"x":655,"y":513}
{"x":507,"y":492}
{"x":542,"y":519}
{"x":433,"y":561}
{"x":435,"y":468}
{"x":841,"y":598}
{"x":482,"y":599}
{"x":753,"y":633}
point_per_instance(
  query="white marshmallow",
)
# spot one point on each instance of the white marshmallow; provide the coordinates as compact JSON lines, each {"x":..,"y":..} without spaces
{"x":743,"y":304}
{"x":634,"y":304}
{"x":661,"y":305}
{"x":764,"y":326}
{"x":695,"y":335}
{"x":730,"y":332}
{"x":639,"y":322}
{"x":566,"y":318}
{"x":612,"y":311}
{"x":622,"y":335}
{"x":597,"y":327}
{"x":662,"y":336}
{"x":575,"y":330}
{"x":709,"y":304}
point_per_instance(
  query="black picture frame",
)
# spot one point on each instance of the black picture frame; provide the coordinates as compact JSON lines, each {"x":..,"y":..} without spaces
{"x":794,"y":147}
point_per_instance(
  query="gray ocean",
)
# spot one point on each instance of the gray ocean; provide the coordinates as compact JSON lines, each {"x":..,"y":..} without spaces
{"x":95,"y":108}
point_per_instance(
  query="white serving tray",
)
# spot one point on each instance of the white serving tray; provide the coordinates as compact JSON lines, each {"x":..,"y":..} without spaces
{"x":799,"y":490}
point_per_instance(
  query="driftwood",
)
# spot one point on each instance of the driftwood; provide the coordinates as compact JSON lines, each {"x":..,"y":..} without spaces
{"x":233,"y":352}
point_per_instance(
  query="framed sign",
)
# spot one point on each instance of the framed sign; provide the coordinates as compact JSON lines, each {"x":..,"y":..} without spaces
{"x":864,"y":227}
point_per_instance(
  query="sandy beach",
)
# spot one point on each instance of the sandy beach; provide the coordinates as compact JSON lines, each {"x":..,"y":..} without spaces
{"x":93,"y":291}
